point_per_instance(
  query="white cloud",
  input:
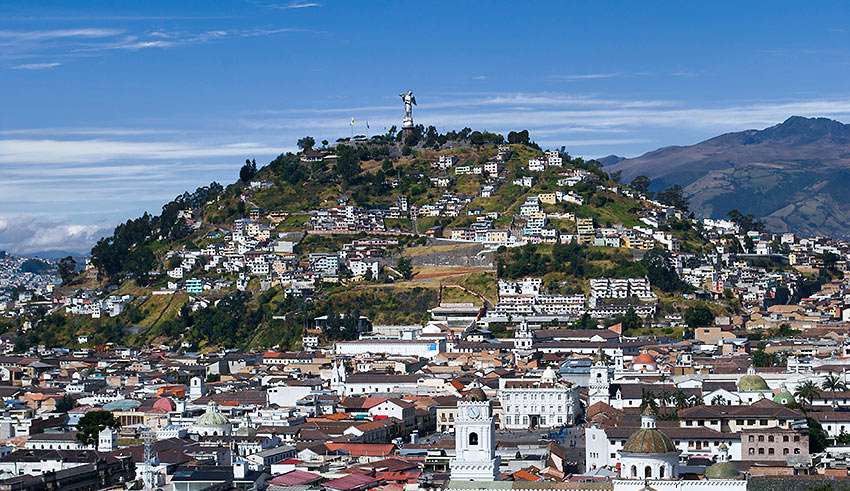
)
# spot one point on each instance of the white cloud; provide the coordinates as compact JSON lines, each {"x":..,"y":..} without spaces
{"x":36,"y":66}
{"x":51,"y":151}
{"x":298,"y":5}
{"x":52,"y":34}
{"x":22,"y":234}
{"x":586,"y":76}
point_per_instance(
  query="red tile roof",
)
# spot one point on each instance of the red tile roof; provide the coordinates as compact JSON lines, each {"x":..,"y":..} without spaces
{"x":363,"y":449}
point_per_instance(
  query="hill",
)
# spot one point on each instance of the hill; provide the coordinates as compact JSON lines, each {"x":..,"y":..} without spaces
{"x":362,"y":182}
{"x":793,"y":176}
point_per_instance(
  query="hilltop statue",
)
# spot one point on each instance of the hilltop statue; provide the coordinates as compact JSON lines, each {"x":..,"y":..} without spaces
{"x":409,"y":102}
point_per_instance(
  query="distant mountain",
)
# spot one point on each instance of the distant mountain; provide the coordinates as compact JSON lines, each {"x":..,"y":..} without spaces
{"x":795,"y":175}
{"x":610,"y":160}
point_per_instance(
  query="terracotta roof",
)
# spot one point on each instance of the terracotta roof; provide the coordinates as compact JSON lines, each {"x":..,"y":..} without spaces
{"x":363,"y":449}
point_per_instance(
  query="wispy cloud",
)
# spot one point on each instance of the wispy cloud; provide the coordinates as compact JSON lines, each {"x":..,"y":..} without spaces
{"x":52,"y":34}
{"x":52,"y":151}
{"x":297,"y":5}
{"x":68,"y":44}
{"x":36,"y":66}
{"x":586,"y":76}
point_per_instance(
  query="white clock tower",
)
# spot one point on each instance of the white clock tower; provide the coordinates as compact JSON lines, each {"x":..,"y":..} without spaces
{"x":475,"y":440}
{"x":600,"y":381}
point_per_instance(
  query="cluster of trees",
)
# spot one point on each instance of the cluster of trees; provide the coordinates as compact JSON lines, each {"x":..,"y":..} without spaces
{"x":661,"y":272}
{"x":575,"y":260}
{"x":348,"y":159}
{"x":67,"y":269}
{"x":93,"y":423}
{"x":745,"y":222}
{"x":698,"y":316}
{"x":128,"y":252}
{"x":248,"y":171}
{"x":229,"y":323}
{"x":288,"y":167}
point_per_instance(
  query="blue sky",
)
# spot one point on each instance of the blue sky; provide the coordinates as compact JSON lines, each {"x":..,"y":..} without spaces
{"x":108,"y":109}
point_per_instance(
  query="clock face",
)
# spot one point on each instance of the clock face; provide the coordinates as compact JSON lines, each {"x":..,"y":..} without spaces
{"x":473,"y":412}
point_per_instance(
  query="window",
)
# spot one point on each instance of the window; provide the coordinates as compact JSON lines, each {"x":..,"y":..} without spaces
{"x":647,"y":472}
{"x":796,"y":451}
{"x":634,"y":471}
{"x":770,"y":439}
{"x":661,"y":472}
{"x":761,"y":451}
{"x":784,"y":451}
{"x":770,"y":451}
{"x":509,"y":420}
{"x":473,"y":438}
{"x":761,"y":438}
{"x":785,"y":438}
{"x":797,"y":438}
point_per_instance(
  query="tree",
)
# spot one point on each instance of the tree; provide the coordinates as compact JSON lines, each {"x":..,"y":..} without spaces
{"x":641,"y":184}
{"x":93,"y":423}
{"x":405,"y":267}
{"x":325,"y":143}
{"x":660,"y":271}
{"x":647,"y":399}
{"x":698,"y":316}
{"x":718,"y":400}
{"x":818,"y":439}
{"x":631,"y":320}
{"x":67,"y":269}
{"x":306,"y":143}
{"x":65,"y":404}
{"x":518,"y":137}
{"x":833,"y":383}
{"x":248,"y":171}
{"x":140,"y":262}
{"x":807,"y":392}
{"x":674,"y":196}
{"x":585,"y":322}
{"x":745,"y":222}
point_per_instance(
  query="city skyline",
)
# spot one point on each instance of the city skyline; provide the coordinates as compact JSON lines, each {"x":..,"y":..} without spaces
{"x":113,"y":110}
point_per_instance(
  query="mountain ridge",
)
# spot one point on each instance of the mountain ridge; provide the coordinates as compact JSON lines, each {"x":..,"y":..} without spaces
{"x":791,"y":175}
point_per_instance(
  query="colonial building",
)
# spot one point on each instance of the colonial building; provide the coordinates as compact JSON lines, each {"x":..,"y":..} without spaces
{"x":545,"y":402}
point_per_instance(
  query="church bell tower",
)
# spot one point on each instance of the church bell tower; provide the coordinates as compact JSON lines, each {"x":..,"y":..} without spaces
{"x":475,"y":440}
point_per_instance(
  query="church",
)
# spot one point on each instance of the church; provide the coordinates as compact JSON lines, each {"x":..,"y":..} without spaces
{"x":650,"y":460}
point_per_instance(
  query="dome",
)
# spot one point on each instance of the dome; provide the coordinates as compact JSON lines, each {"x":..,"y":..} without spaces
{"x":164,"y":404}
{"x":643,"y":359}
{"x":784,"y":397}
{"x":721,"y":470}
{"x":649,"y":440}
{"x":752,"y":383}
{"x":475,"y":395}
{"x":549,"y":376}
{"x":212,"y":417}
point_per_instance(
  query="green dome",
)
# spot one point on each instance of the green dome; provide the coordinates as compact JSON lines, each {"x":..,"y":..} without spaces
{"x":721,"y":470}
{"x":649,"y":440}
{"x":212,"y":417}
{"x":784,"y":397}
{"x":752,"y":383}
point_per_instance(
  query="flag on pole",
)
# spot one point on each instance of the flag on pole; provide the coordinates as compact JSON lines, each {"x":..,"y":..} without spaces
{"x":352,"y":122}
{"x":367,"y":124}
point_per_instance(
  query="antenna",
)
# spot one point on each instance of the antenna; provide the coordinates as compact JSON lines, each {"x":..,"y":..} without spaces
{"x":150,"y":477}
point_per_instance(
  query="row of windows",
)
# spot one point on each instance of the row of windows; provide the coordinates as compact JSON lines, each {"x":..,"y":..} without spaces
{"x":544,"y":397}
{"x":785,"y":438}
{"x":770,"y":451}
{"x":524,"y":420}
{"x":524,"y":408}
